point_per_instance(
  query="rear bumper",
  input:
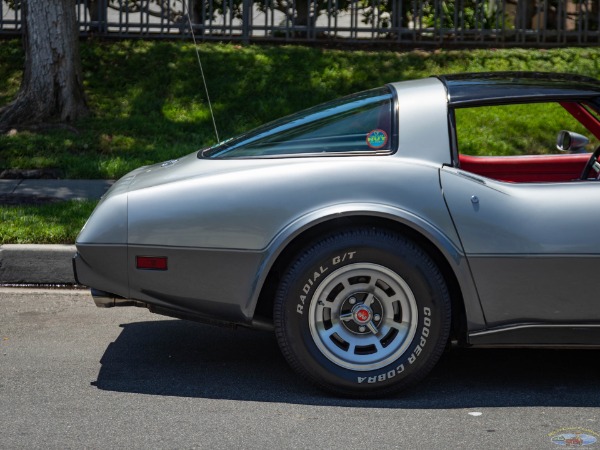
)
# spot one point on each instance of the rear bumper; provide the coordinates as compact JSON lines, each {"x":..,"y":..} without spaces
{"x":103,"y":268}
{"x":102,"y":299}
{"x":200,"y":283}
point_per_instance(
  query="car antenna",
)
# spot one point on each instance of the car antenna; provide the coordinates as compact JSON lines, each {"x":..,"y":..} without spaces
{"x":212,"y":114}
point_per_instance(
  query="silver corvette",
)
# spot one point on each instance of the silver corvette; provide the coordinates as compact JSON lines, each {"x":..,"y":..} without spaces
{"x":370,"y":231}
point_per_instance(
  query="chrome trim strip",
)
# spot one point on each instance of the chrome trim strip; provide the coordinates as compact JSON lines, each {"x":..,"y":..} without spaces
{"x":530,"y":326}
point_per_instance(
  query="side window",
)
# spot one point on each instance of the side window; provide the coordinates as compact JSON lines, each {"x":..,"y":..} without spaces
{"x":358,"y":123}
{"x":529,"y":129}
{"x":361,"y":129}
{"x":517,"y":143}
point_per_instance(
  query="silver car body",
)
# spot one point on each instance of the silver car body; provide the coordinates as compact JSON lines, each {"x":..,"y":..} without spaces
{"x":520,"y":257}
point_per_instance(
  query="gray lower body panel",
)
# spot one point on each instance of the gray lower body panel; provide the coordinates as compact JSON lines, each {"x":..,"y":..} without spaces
{"x":211,"y":283}
{"x":553,"y":289}
{"x":198,"y":282}
{"x":102,"y":266}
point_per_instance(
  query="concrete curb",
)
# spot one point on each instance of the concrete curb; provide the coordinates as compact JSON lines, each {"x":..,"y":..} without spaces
{"x":36,"y":264}
{"x":44,"y":264}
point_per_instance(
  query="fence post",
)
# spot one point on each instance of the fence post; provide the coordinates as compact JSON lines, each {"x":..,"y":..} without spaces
{"x":246,"y":17}
{"x":103,"y":16}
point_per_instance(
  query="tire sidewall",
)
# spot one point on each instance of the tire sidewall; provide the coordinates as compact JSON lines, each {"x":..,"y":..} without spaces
{"x":404,"y":259}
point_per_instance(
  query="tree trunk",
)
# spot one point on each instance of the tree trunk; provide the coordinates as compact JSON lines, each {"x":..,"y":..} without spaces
{"x":52,"y":86}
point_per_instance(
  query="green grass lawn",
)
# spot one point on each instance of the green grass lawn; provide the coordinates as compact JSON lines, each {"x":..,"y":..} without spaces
{"x":148,"y":105}
{"x":54,"y":223}
{"x":148,"y":102}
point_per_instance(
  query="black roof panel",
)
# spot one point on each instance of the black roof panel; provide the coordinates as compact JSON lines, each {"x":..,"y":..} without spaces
{"x":494,"y":88}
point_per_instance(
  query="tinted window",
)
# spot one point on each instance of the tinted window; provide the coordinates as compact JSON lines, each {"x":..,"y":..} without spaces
{"x":358,"y":123}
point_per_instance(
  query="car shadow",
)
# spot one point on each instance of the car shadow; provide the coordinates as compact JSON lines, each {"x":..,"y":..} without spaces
{"x":180,"y":358}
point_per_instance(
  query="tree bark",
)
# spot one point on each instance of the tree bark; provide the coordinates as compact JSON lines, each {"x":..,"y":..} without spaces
{"x":52,"y":86}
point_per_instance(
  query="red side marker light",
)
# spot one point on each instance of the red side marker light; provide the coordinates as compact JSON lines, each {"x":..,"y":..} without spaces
{"x":151,"y":262}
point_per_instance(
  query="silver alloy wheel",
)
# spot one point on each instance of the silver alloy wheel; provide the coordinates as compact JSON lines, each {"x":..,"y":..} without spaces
{"x":363,"y":316}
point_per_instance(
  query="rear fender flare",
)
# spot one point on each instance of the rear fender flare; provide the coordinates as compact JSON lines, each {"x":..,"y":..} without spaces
{"x":451,"y":251}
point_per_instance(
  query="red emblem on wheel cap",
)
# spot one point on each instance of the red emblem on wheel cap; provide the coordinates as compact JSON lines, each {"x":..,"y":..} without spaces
{"x":362,"y":315}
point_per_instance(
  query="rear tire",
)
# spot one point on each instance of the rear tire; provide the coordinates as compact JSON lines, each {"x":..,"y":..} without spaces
{"x":363,"y":312}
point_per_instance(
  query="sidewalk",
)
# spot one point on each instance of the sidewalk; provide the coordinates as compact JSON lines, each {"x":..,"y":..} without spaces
{"x":43,"y":264}
{"x":59,"y":189}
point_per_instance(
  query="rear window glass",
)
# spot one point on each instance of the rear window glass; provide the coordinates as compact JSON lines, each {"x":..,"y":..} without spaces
{"x":358,"y":123}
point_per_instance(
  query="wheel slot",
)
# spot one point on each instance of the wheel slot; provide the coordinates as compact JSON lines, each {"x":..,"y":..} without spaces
{"x":365,"y":349}
{"x":397,"y":311}
{"x":389,"y":337}
{"x":337,"y":340}
{"x":385,"y":288}
{"x":327,"y":318}
{"x":334,"y":292}
{"x":359,"y":280}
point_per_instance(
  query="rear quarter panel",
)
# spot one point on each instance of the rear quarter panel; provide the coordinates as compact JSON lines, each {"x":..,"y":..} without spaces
{"x":222,"y":232}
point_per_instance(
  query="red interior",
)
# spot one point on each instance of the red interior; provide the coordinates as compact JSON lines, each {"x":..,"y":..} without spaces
{"x":536,"y":168}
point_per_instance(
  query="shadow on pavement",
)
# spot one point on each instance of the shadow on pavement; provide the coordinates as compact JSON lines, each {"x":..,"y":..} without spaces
{"x":179,"y":358}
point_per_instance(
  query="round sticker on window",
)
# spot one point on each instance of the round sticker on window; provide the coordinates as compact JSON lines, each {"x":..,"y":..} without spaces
{"x":377,"y":139}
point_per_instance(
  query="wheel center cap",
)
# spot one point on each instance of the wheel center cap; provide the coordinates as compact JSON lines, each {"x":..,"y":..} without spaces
{"x":362,"y":314}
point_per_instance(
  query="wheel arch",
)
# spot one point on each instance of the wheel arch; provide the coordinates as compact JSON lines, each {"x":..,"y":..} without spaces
{"x":438,"y":246}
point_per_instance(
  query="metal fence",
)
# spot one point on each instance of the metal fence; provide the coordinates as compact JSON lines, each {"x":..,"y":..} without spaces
{"x":480,"y":23}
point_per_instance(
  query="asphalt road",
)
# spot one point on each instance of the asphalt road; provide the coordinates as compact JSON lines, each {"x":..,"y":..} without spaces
{"x":75,"y":376}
